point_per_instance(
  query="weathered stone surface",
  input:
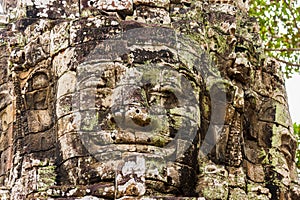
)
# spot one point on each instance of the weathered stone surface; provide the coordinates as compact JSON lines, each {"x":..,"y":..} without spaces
{"x":236,"y":177}
{"x":42,"y":9}
{"x":59,"y":37}
{"x":39,"y":120}
{"x":255,"y":172}
{"x":150,"y":15}
{"x":93,"y":29}
{"x":237,"y":193}
{"x":156,"y":3}
{"x":6,"y":116}
{"x":6,"y":95}
{"x":253,"y":153}
{"x":213,"y":182}
{"x":140,"y":99}
{"x":111,"y":5}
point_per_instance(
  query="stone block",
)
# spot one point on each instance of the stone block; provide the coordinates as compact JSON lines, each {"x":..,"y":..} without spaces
{"x":107,"y":190}
{"x":6,"y":161}
{"x":238,"y":101}
{"x":37,"y":50}
{"x":68,"y":124}
{"x":37,"y":100}
{"x":39,"y":81}
{"x":257,"y":191}
{"x":35,"y":28}
{"x":6,"y":117}
{"x":93,"y":29}
{"x":237,"y":194}
{"x":255,"y":172}
{"x":264,"y":134}
{"x":64,"y":61}
{"x":89,"y":120}
{"x":39,"y":141}
{"x":5,"y":95}
{"x":134,"y":168}
{"x":32,"y":179}
{"x":39,"y":120}
{"x":71,"y":145}
{"x":52,"y":9}
{"x":259,"y":85}
{"x":99,"y":75}
{"x":66,"y":105}
{"x":7,"y":4}
{"x":213,"y":183}
{"x":282,"y":116}
{"x":6,"y":138}
{"x":108,"y":51}
{"x":59,"y":37}
{"x":253,"y":152}
{"x":157,"y":3}
{"x":250,"y":124}
{"x":3,"y":59}
{"x":66,"y":84}
{"x":273,"y":68}
{"x":4,"y":194}
{"x":3,"y":71}
{"x":150,"y":15}
{"x":40,"y":158}
{"x":75,"y":173}
{"x":288,"y":146}
{"x":111,"y":5}
{"x":236,"y":177}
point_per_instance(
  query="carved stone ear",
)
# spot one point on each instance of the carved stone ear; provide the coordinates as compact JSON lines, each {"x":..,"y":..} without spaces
{"x":287,"y":147}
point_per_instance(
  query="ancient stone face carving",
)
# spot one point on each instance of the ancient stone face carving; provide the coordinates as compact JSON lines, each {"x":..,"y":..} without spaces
{"x":136,"y":102}
{"x":148,"y":105}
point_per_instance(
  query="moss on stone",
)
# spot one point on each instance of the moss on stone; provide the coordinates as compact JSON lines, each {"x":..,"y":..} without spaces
{"x":46,"y":177}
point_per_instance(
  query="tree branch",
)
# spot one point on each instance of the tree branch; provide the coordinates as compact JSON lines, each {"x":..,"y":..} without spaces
{"x":288,"y":63}
{"x":291,"y":9}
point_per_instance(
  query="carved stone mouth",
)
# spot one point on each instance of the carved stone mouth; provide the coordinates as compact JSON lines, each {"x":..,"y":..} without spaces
{"x":120,"y":151}
{"x":110,"y":145}
{"x":106,"y":137}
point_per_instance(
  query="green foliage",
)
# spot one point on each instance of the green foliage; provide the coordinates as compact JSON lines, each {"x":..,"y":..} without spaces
{"x":297,"y":129}
{"x":297,"y":133}
{"x":280,"y":30}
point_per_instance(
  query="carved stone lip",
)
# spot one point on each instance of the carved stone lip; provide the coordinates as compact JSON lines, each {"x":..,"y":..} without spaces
{"x":117,"y":143}
{"x":118,"y":151}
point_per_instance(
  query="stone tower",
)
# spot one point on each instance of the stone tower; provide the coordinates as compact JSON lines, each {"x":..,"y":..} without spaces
{"x":148,"y":99}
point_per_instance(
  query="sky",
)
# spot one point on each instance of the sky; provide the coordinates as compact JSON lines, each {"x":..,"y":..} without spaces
{"x":293,"y":92}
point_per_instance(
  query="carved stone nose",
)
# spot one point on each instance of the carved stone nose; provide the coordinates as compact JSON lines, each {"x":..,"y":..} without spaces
{"x":139,"y":116}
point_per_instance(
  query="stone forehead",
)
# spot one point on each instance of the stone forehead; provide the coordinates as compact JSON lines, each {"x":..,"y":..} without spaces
{"x":150,"y":44}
